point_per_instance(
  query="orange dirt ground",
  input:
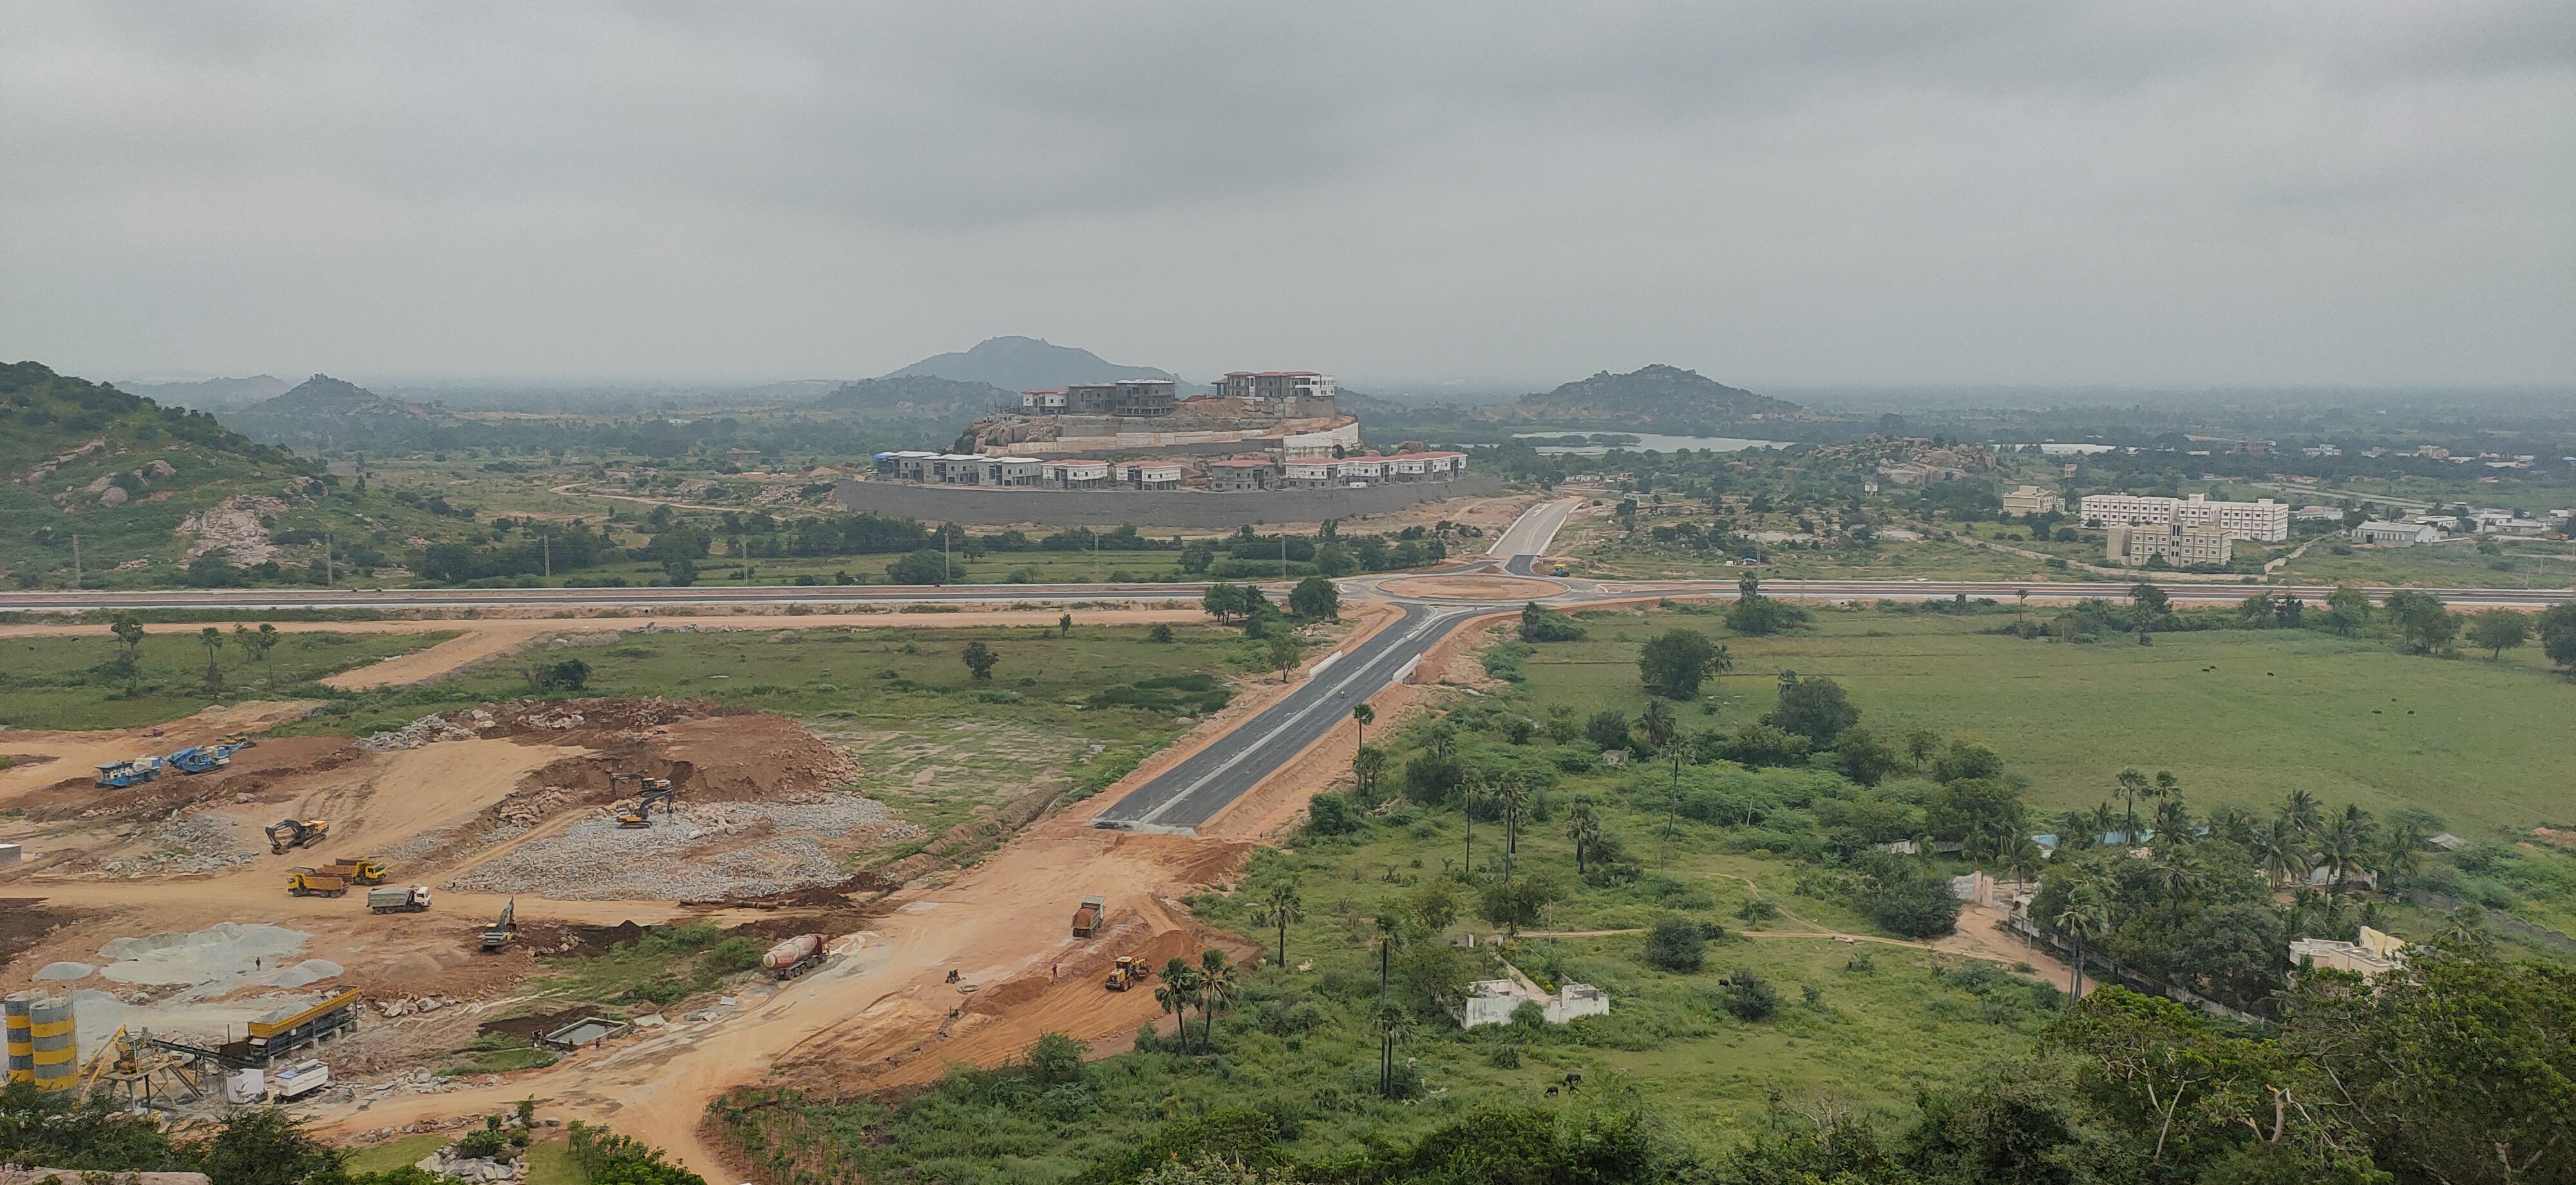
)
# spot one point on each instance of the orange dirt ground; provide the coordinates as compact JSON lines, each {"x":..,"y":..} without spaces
{"x":1482,"y":588}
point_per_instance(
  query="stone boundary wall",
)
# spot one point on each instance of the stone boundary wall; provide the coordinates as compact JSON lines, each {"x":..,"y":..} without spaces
{"x":1186,"y":509}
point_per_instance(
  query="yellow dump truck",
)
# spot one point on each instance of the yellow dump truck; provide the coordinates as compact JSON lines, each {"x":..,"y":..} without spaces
{"x":358,"y":870}
{"x":308,"y":882}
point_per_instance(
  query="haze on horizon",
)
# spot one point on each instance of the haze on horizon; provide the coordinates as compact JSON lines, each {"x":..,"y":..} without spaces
{"x":2187,"y":194}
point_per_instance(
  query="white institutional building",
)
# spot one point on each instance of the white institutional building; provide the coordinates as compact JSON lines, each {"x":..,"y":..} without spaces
{"x":2262,"y":520}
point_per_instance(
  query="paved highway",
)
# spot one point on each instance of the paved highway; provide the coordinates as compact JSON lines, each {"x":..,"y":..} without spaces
{"x":1206,"y":782}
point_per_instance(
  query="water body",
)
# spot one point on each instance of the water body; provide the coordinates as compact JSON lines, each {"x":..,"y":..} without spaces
{"x":1646,"y":442}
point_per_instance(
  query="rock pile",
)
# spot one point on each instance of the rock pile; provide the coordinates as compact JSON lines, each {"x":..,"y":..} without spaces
{"x":697,"y":855}
{"x":233,"y":527}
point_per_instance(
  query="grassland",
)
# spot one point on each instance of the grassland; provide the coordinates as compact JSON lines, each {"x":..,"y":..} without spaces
{"x":77,"y":682}
{"x":2240,"y":716}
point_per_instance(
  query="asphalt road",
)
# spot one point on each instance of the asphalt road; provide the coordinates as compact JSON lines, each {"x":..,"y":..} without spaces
{"x":1206,"y":782}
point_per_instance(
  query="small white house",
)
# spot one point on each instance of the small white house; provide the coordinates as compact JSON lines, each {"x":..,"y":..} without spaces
{"x":1492,"y":1002}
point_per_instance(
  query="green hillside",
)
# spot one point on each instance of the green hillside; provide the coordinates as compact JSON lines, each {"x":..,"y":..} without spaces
{"x":322,"y":414}
{"x":148,"y":490}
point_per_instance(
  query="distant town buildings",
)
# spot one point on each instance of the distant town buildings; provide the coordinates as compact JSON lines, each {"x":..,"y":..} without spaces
{"x":1148,"y":475}
{"x":2262,"y":520}
{"x":2181,"y":545}
{"x":1223,"y":475}
{"x":2375,"y":955}
{"x":2318,"y":514}
{"x":2034,"y":500}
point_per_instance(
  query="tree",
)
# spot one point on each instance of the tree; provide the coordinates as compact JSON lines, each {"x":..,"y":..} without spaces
{"x":1279,"y":906}
{"x":1220,"y":984}
{"x":1224,"y":602}
{"x":1282,"y":654}
{"x":2498,"y":630}
{"x":1864,"y":759}
{"x":1513,"y":793}
{"x":266,"y":1146}
{"x":1178,"y":994}
{"x":1315,"y":599}
{"x":1913,"y":901}
{"x":2425,"y":622}
{"x":1517,"y":903}
{"x":1064,"y":626}
{"x":1921,"y":744}
{"x":2348,"y":610}
{"x":1607,"y":728}
{"x":1583,"y":827}
{"x":257,"y":642}
{"x":1674,"y":944}
{"x":1816,"y":709}
{"x":129,"y":633}
{"x":1368,"y":767}
{"x":2150,"y":600}
{"x":920,"y":567}
{"x":980,"y":660}
{"x":2085,"y":914}
{"x":213,"y":639}
{"x":1661,"y":731}
{"x":1056,"y":1058}
{"x":2557,"y":630}
{"x":1542,"y":624}
{"x":1752,"y":613}
{"x":1363,"y":715}
{"x":2131,"y":785}
{"x":1672,"y":663}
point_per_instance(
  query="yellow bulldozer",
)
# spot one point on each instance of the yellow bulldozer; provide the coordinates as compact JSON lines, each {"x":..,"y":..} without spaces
{"x":1129,"y":971}
{"x":308,"y":882}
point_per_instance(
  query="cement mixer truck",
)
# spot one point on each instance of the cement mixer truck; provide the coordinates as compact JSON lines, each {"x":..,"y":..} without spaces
{"x":794,"y":957}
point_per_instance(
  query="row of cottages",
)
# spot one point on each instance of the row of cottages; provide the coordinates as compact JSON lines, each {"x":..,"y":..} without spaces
{"x":961,"y":469}
{"x":1325,"y":472}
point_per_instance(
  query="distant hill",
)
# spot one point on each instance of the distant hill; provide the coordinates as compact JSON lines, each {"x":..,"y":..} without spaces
{"x":1660,"y":397}
{"x":210,"y":393}
{"x":327,"y":413}
{"x":1025,"y":364}
{"x":918,"y":395}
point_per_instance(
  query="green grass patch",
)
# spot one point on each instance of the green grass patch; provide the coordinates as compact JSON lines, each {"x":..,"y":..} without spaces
{"x":84,"y":682}
{"x":394,"y":1154}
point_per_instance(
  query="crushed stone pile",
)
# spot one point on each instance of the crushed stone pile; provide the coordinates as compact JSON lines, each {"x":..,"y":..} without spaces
{"x":523,"y":717}
{"x":419,"y":732}
{"x":694,"y":856}
{"x":214,"y":960}
{"x":188,"y":843}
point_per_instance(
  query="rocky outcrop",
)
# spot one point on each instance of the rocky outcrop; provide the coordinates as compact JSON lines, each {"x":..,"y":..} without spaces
{"x":233,"y":527}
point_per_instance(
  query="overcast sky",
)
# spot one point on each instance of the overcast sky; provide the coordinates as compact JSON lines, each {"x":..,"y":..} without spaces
{"x":2169,"y":193}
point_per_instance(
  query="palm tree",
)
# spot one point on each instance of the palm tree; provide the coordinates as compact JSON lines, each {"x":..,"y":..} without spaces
{"x":1513,"y":793}
{"x":1179,"y":992}
{"x":1658,"y":728}
{"x":2173,"y":820}
{"x":214,"y":641}
{"x":1583,"y":826}
{"x":1278,"y":906}
{"x":1393,"y":1024}
{"x":2074,"y":830}
{"x":2283,"y":850}
{"x":2021,"y":858}
{"x":1367,"y":767}
{"x":2085,"y":915}
{"x":2300,"y":808}
{"x":2347,"y":845}
{"x":2131,"y":785}
{"x":1220,"y":984}
{"x":1363,"y":715}
{"x":2401,"y":852}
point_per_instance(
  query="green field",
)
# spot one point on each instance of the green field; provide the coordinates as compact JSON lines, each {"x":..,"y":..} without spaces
{"x":62,"y":682}
{"x":2480,"y":742}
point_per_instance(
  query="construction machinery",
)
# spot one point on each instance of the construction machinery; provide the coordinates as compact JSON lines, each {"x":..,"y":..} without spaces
{"x":794,"y":957}
{"x":294,"y":1027}
{"x":149,"y":1070}
{"x":306,"y":882}
{"x":1086,"y":920}
{"x":399,"y":899}
{"x":198,"y":759}
{"x":647,"y":792}
{"x":503,"y":932}
{"x":1128,"y":972}
{"x":116,"y":775}
{"x":360,"y":870}
{"x":295,"y":833}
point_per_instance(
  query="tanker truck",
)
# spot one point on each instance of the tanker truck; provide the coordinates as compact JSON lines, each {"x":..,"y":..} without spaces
{"x":794,"y":957}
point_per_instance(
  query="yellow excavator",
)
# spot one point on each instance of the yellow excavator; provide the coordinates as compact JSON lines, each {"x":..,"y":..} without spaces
{"x":647,"y":792}
{"x":295,"y":833}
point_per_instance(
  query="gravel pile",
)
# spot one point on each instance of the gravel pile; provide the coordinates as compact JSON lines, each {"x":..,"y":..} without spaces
{"x":690,"y":857}
{"x":417,"y":733}
{"x":195,"y":843}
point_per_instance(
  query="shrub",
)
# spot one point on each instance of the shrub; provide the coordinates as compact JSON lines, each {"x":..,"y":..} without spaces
{"x":1674,"y":944}
{"x":1750,"y":998}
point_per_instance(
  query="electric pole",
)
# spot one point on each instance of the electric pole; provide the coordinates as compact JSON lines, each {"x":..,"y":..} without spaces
{"x":546,"y":547}
{"x":76,"y":572}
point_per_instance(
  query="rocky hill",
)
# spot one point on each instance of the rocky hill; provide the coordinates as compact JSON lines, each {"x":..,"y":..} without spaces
{"x":1661,"y":398}
{"x":1026,"y":363}
{"x":324,"y":413}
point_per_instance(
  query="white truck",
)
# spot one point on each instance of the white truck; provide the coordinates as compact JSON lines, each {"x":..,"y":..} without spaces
{"x":398,"y":898}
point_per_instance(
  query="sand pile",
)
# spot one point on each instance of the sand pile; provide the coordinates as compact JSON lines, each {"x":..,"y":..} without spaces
{"x":213,"y":961}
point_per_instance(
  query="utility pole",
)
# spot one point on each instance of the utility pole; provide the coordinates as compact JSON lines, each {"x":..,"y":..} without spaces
{"x":1095,"y":557}
{"x":546,"y":546}
{"x":76,"y":572}
{"x":1283,"y":553}
{"x":943,"y":556}
{"x":326,"y":559}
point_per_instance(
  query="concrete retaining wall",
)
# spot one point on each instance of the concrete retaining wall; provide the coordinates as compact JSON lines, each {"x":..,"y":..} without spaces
{"x":1145,"y":508}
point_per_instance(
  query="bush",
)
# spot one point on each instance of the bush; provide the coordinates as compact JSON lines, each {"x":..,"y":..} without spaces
{"x":485,"y":1143}
{"x":1750,"y":998}
{"x":1542,"y":624}
{"x":1333,"y":814}
{"x":1607,"y":728}
{"x":1674,"y":944}
{"x":1914,"y":902}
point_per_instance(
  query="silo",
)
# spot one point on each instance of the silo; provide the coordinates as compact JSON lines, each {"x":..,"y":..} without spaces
{"x":22,"y":1046}
{"x":56,"y":1038}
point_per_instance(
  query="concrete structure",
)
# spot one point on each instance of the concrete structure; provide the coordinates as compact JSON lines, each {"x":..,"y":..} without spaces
{"x":1047,"y":401}
{"x":1302,"y":446}
{"x":2318,"y":514}
{"x":1238,"y":474}
{"x":2397,"y":534}
{"x":1148,"y":475}
{"x":2375,"y":955}
{"x":1288,"y":393}
{"x":1125,"y":398}
{"x":1431,"y":466}
{"x":1074,"y":475}
{"x":1492,"y":1002}
{"x":2180,"y":546}
{"x":1008,"y":472}
{"x":2262,"y":520}
{"x":1310,"y":475}
{"x":2034,"y":500}
{"x":1360,"y":471}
